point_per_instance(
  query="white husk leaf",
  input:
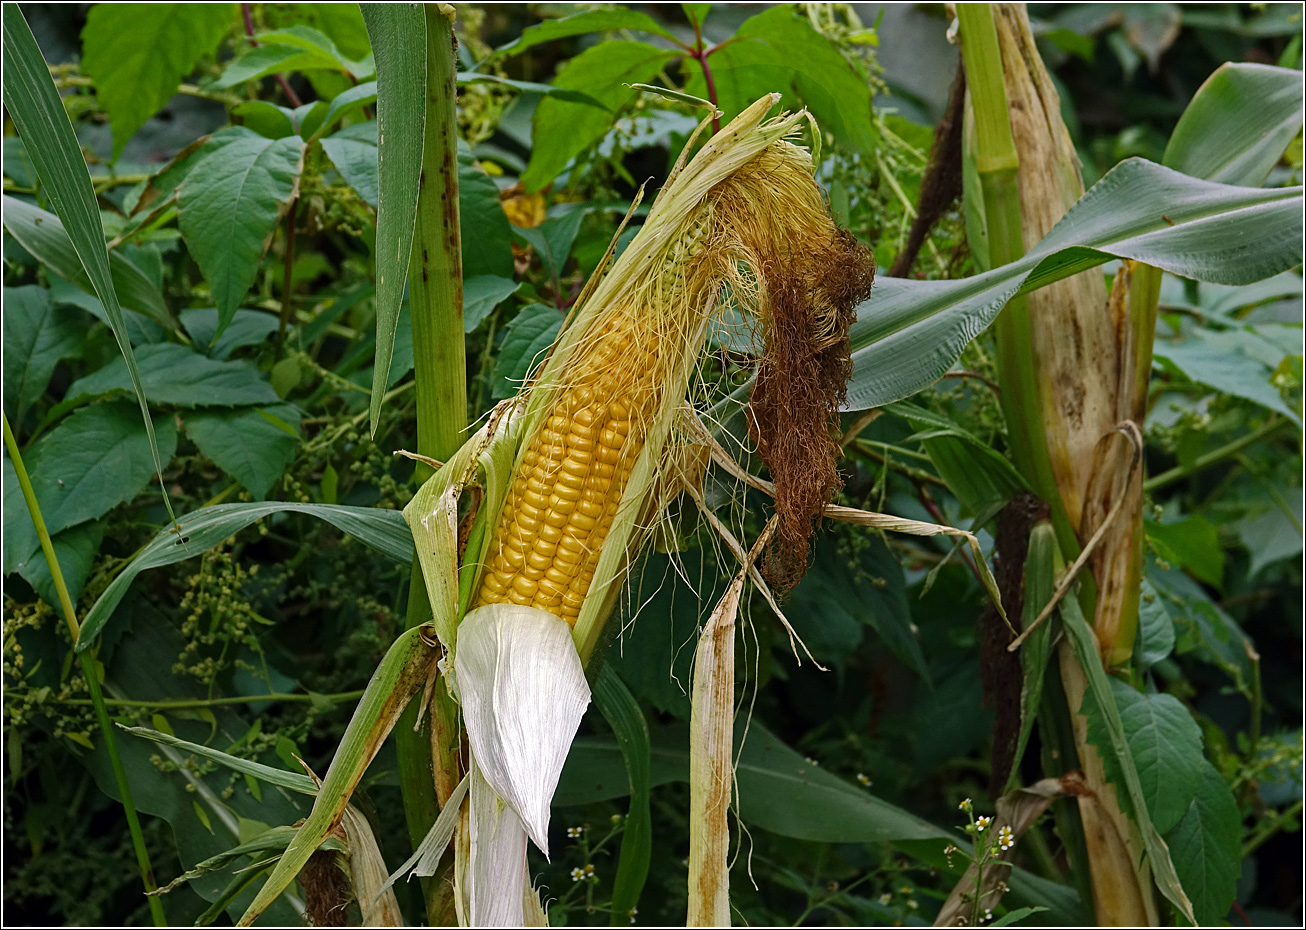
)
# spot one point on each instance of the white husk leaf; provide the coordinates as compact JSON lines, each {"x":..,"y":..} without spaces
{"x":426,"y":857}
{"x":496,"y":872}
{"x":523,"y":693}
{"x":711,"y":774}
{"x":367,"y":872}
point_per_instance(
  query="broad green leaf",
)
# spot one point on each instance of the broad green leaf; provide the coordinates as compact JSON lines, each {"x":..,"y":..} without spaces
{"x":265,"y":118}
{"x":297,"y":48}
{"x":562,"y":129}
{"x":1202,"y":627}
{"x":43,"y":235}
{"x":229,"y":207}
{"x":345,"y":103}
{"x":1191,"y":543}
{"x":137,"y":54}
{"x":1238,"y":124}
{"x":1155,"y":628}
{"x":1166,"y":745}
{"x":1271,"y":535}
{"x":1228,"y":362}
{"x":174,"y":374}
{"x":353,"y":151}
{"x":910,"y":332}
{"x":582,"y":24}
{"x":527,"y":87}
{"x":168,"y":178}
{"x":247,"y":328}
{"x":253,"y":445}
{"x":778,"y":51}
{"x":76,"y":549}
{"x":1207,"y":847}
{"x":93,"y":461}
{"x":383,"y":530}
{"x":552,"y":240}
{"x":1108,"y":734}
{"x":37,"y":335}
{"x":1012,"y":918}
{"x":622,"y":712}
{"x":311,"y":40}
{"x":482,"y":294}
{"x":19,"y":537}
{"x":525,"y":343}
{"x":398,"y":35}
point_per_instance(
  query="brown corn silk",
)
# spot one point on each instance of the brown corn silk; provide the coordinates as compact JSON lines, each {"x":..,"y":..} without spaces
{"x":761,"y":238}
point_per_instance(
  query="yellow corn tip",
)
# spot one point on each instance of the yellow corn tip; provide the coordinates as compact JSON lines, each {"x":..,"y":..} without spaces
{"x":565,"y":495}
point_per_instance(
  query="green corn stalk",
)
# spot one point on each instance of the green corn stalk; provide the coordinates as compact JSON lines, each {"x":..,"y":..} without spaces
{"x":1073,"y":364}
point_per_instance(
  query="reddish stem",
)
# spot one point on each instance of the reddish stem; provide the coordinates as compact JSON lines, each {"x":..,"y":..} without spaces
{"x":281,"y":79}
{"x":700,"y":55}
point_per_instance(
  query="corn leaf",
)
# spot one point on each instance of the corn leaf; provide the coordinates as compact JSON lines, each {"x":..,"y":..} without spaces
{"x":294,"y":781}
{"x":383,"y":530}
{"x":398,"y":34}
{"x":910,"y":332}
{"x":622,"y":712}
{"x":38,"y":112}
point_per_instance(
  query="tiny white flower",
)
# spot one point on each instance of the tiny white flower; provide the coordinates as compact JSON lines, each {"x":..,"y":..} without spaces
{"x":810,"y":761}
{"x":865,"y":782}
{"x":574,"y":832}
{"x":886,"y":898}
{"x":1006,"y":839}
{"x":988,"y":913}
{"x":631,"y":914}
{"x":982,"y":822}
{"x":964,"y":805}
{"x":913,"y":905}
{"x":577,"y":874}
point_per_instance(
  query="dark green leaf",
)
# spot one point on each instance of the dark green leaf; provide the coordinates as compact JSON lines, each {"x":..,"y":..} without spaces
{"x":622,"y":712}
{"x":1192,"y":543}
{"x":1227,"y":361}
{"x":1011,"y":918}
{"x":398,"y":34}
{"x":1238,"y":124}
{"x":1202,"y":627}
{"x":1039,"y":584}
{"x":76,"y":549}
{"x":267,"y":119}
{"x":1166,"y":745}
{"x":252,"y":444}
{"x":552,"y":240}
{"x":525,"y":343}
{"x":582,"y":24}
{"x":43,"y":235}
{"x":778,"y":51}
{"x":384,"y":530}
{"x":229,"y":207}
{"x":1206,"y":846}
{"x":247,"y":328}
{"x":174,"y":374}
{"x":562,"y":129}
{"x":311,"y":40}
{"x":910,"y":332}
{"x":137,"y":53}
{"x":353,"y":152}
{"x":36,"y":336}
{"x":482,"y":294}
{"x":94,"y":460}
{"x":1155,"y":628}
{"x":346,"y":103}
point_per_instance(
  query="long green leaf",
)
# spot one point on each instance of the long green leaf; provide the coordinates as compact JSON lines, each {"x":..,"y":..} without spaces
{"x":294,"y":781}
{"x":403,"y":671}
{"x":1116,"y":745}
{"x":622,"y":712}
{"x":38,"y":112}
{"x":398,"y":34}
{"x":383,"y":530}
{"x":1238,"y":124}
{"x":910,"y":332}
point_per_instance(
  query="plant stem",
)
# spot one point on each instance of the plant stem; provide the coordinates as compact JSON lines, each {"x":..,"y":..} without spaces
{"x":287,"y":277}
{"x":280,"y":78}
{"x":435,"y":291}
{"x":338,"y":697}
{"x":91,"y":671}
{"x":1179,"y":472}
{"x":700,"y":53}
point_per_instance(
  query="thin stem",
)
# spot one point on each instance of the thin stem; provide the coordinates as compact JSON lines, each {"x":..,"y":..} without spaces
{"x":91,"y":672}
{"x":280,"y":78}
{"x":287,"y":277}
{"x":700,"y":55}
{"x":222,"y":701}
{"x":1271,"y":826}
{"x":1229,"y":450}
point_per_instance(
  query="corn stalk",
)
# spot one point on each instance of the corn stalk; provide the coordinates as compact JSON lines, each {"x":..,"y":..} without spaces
{"x":1073,"y":363}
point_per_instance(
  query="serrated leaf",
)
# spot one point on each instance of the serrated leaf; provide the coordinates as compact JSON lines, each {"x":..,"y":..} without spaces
{"x":76,"y":549}
{"x":1206,"y":845}
{"x":1166,"y":745}
{"x":43,"y":235}
{"x":383,"y":530}
{"x":1192,"y":543}
{"x":1155,"y":628}
{"x":229,"y":207}
{"x":246,"y":443}
{"x":247,"y":328}
{"x":353,"y":151}
{"x":1230,"y":361}
{"x":93,"y":461}
{"x":778,"y":51}
{"x":525,"y":343}
{"x":482,"y":294}
{"x":37,"y":335}
{"x":137,"y":54}
{"x":1238,"y":124}
{"x":174,"y":374}
{"x":563,"y":129}
{"x":582,"y":24}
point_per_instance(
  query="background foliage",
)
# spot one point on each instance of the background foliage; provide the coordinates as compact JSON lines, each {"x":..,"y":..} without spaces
{"x":233,"y":151}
